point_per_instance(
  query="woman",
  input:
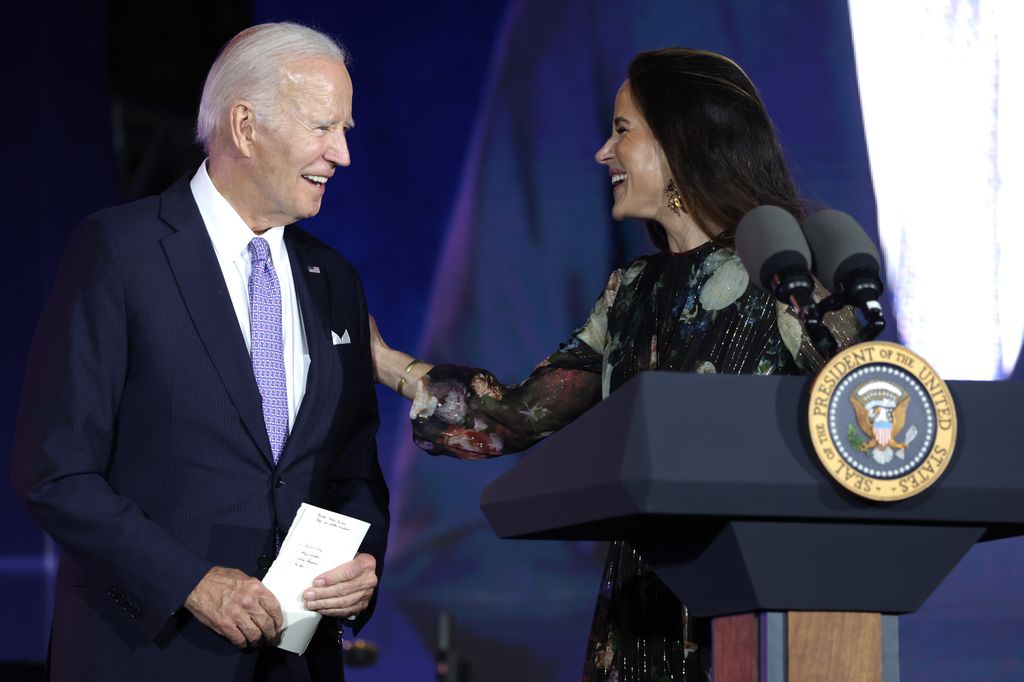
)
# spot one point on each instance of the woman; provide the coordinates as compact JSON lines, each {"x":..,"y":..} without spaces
{"x":691,"y":151}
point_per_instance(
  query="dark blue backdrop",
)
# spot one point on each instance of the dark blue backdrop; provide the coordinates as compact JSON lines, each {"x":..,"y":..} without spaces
{"x":479,"y":222}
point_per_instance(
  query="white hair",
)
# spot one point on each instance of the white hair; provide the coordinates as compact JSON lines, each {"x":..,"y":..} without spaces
{"x":251,"y":66}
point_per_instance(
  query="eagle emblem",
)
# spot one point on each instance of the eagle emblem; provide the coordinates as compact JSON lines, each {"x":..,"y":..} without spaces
{"x":881,"y":411}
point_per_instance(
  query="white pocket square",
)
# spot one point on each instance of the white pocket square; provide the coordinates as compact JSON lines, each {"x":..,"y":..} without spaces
{"x":338,"y":340}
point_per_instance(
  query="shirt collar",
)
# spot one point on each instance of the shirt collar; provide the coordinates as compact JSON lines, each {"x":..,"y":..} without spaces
{"x":228,"y":232}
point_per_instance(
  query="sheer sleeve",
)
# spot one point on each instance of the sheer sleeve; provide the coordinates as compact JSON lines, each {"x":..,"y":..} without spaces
{"x":466,"y":412}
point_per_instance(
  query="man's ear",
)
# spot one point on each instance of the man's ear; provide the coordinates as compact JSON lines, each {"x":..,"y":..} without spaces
{"x":243,"y":128}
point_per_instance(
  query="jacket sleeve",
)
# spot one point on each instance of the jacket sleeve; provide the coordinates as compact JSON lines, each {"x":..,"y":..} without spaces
{"x":65,"y":435}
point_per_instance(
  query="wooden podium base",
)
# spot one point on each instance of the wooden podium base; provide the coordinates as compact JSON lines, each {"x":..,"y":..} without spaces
{"x":805,"y":646}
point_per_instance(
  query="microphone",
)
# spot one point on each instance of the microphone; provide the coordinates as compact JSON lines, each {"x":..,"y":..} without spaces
{"x":847,"y":262}
{"x":775,"y":253}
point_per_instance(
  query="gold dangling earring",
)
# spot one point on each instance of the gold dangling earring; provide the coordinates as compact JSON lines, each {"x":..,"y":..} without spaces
{"x":675,"y":201}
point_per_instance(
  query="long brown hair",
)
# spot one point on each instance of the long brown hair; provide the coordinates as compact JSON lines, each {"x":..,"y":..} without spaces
{"x":721,"y":147}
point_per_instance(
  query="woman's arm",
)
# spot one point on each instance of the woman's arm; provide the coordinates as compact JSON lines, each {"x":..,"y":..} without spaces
{"x":466,"y":412}
{"x":392,"y":368}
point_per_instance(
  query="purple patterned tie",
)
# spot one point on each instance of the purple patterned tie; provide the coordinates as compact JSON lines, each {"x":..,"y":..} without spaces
{"x":268,"y":343}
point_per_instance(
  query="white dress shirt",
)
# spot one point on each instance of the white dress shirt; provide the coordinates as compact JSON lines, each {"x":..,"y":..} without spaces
{"x":231,"y":236}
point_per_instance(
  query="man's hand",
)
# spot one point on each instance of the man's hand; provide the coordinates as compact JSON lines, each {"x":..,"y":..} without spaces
{"x":237,"y":606}
{"x":344,"y":591}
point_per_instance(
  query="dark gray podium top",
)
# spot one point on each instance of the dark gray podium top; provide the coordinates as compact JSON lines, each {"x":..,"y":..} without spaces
{"x":715,"y":480}
{"x":736,"y":447}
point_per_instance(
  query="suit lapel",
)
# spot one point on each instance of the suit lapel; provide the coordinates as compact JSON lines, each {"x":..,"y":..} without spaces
{"x":197,"y":272}
{"x":323,"y":382}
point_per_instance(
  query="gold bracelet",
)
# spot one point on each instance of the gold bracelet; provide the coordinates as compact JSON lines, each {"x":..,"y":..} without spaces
{"x":401,"y":382}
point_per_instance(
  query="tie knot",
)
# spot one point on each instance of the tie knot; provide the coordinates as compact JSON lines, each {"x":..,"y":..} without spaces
{"x":259,"y":250}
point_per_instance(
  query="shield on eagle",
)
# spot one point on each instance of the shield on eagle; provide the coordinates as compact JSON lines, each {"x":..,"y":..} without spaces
{"x":881,"y":410}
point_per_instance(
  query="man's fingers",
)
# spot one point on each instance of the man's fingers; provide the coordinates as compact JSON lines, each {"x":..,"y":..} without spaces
{"x":350,"y":577}
{"x":262,"y":610}
{"x":350,"y":570}
{"x":245,"y":628}
{"x":339,"y":596}
{"x":273,"y":609}
{"x":250,"y":632}
{"x":342,"y":601}
{"x":237,"y":638}
{"x":268,"y":627}
{"x":234,"y":635}
{"x":346,"y":612}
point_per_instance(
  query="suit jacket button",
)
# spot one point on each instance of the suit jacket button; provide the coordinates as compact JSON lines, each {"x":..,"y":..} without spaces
{"x":278,"y":483}
{"x":264,"y":562}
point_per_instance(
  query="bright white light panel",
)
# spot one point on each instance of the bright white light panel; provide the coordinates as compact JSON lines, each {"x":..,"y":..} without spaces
{"x":942,"y":93}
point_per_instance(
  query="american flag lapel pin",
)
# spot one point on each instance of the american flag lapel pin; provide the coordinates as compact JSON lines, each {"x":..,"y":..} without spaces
{"x":313,"y":269}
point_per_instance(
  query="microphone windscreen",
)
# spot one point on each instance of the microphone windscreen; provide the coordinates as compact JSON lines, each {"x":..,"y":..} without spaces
{"x":839,"y":246}
{"x":768,"y":240}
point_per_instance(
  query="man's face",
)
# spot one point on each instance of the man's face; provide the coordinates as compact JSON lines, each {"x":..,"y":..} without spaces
{"x":294,"y":156}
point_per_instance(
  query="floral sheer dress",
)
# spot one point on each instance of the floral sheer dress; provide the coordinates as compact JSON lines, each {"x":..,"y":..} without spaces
{"x":688,"y":312}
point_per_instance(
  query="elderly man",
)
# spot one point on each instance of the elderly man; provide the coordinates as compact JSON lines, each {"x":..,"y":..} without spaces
{"x":201,"y":369}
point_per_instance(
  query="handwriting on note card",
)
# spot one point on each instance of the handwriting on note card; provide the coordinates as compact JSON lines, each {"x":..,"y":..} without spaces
{"x":308,"y":556}
{"x":331,"y":520}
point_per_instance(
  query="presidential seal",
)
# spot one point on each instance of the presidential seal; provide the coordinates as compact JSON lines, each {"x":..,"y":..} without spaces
{"x":881,"y":420}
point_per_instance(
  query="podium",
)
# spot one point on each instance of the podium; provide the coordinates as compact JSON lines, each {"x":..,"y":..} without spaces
{"x":714,"y":480}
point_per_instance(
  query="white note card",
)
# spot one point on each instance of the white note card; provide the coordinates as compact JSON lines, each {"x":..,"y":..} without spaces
{"x":317,"y":541}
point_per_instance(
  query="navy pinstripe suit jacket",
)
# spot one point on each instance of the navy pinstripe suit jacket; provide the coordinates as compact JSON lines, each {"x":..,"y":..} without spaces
{"x":141,"y":448}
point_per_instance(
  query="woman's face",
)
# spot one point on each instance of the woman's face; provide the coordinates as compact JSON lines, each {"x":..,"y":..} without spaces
{"x":636,"y":164}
